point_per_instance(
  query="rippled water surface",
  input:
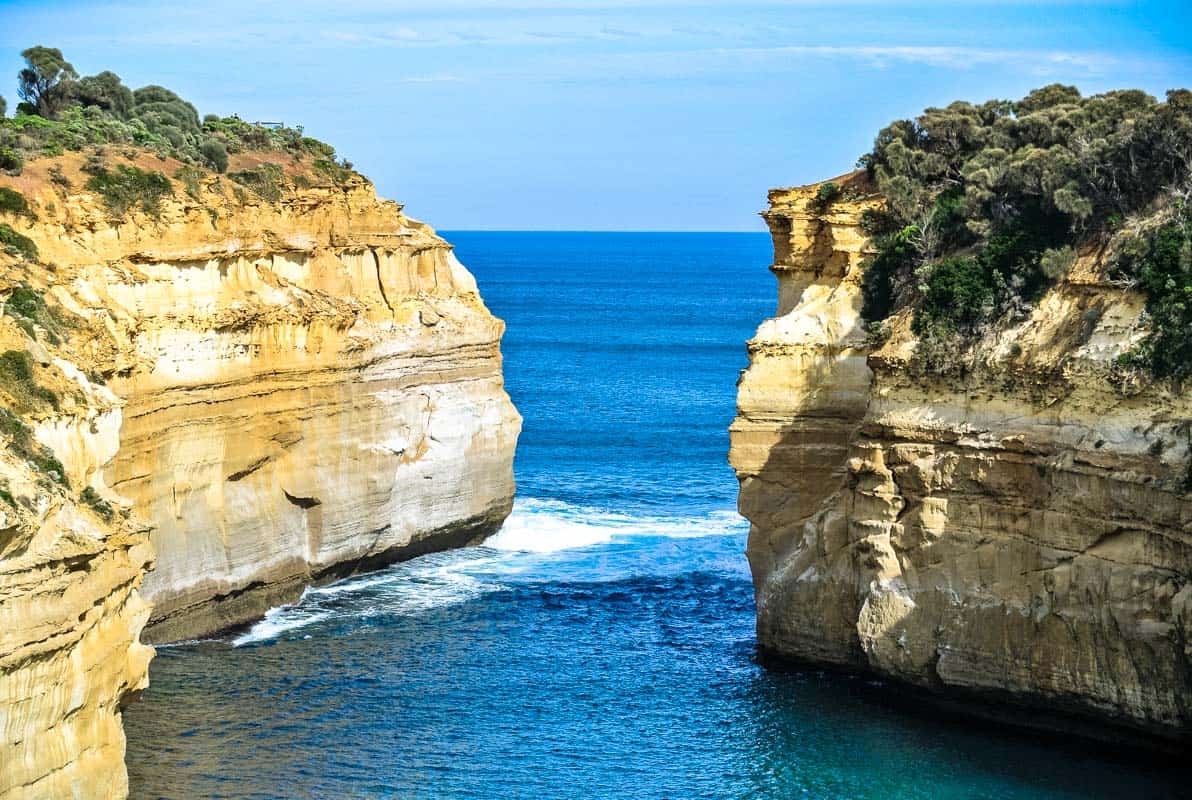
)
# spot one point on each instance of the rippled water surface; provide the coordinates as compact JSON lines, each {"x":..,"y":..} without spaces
{"x":601,"y":645}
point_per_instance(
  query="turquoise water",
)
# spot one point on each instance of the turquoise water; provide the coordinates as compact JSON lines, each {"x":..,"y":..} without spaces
{"x":602,"y":645}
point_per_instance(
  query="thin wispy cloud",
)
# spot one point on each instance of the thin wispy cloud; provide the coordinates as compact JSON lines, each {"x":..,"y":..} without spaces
{"x":940,"y":56}
{"x":690,"y":44}
{"x":437,"y":78}
{"x":743,"y":63}
{"x":620,"y":33}
{"x":398,"y":36}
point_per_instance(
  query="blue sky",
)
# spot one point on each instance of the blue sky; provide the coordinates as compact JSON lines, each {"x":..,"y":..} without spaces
{"x":601,"y":114}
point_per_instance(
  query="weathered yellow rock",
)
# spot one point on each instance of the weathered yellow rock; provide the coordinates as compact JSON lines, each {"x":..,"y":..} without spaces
{"x":70,"y":611}
{"x":313,"y":387}
{"x":1017,"y":533}
{"x":296,"y":390}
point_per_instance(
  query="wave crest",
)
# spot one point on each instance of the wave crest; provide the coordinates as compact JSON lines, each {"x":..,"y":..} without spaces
{"x":549,"y":526}
{"x":521,"y":550}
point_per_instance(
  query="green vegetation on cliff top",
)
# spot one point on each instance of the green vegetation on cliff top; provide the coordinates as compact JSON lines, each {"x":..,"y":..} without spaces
{"x":61,"y":111}
{"x":987,"y":204}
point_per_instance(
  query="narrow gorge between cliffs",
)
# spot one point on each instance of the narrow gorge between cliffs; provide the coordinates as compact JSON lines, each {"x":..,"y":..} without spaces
{"x":602,"y":644}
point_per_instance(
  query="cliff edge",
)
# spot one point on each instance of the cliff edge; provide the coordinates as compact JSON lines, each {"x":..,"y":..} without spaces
{"x":1015,"y":534}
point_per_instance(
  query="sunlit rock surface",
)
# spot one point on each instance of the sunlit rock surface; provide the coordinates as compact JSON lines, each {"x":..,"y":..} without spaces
{"x":266,"y":394}
{"x":1015,"y":532}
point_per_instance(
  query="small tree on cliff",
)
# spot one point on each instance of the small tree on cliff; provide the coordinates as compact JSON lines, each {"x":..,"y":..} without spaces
{"x":105,"y":91}
{"x":45,"y":81}
{"x":215,"y":154}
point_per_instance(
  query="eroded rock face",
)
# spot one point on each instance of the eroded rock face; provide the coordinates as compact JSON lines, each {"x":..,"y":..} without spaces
{"x":294,"y":390}
{"x":312,"y":387}
{"x":70,"y":610}
{"x":1016,"y":530}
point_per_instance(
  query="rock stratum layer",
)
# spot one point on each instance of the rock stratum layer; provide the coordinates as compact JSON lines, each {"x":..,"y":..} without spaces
{"x":256,"y":394}
{"x":1018,"y":531}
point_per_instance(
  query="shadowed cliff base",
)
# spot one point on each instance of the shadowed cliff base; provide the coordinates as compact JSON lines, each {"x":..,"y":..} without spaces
{"x":238,"y":610}
{"x":1013,"y":717}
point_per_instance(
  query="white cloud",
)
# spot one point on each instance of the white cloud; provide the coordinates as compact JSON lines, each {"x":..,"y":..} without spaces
{"x":393,"y":36}
{"x":745,"y":63}
{"x":946,"y":56}
{"x":440,"y":77}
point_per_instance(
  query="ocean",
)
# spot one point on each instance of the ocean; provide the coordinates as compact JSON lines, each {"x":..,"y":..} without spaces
{"x":602,"y":644}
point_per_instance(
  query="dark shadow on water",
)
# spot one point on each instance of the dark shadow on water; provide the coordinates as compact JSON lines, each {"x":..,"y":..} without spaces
{"x":979,"y":714}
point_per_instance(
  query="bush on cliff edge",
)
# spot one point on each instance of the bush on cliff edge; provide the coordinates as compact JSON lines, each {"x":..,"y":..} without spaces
{"x":988,"y":203}
{"x":126,"y":186}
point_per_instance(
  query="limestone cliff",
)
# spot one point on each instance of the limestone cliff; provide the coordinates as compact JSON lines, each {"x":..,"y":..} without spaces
{"x":1016,"y":531}
{"x":71,"y":562}
{"x":256,"y":393}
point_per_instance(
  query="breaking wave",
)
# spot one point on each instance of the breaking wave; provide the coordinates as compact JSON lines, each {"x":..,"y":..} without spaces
{"x":534,"y":532}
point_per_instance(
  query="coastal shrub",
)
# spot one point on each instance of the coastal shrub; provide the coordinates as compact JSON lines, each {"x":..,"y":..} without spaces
{"x":22,"y":444}
{"x":58,"y":177}
{"x":11,"y":159}
{"x":15,"y":366}
{"x":13,"y":202}
{"x":337,"y":173}
{"x":828,"y":193}
{"x":95,"y":163}
{"x":27,"y":306}
{"x":16,"y":376}
{"x":44,"y":83}
{"x":958,"y":293}
{"x":1056,"y":262}
{"x":1162,"y":267}
{"x":27,"y":326}
{"x":896,"y":252}
{"x":189,"y":177}
{"x":946,"y":228}
{"x":986,"y":205}
{"x":17,"y":244}
{"x":25,"y":302}
{"x":64,"y":112}
{"x":125,"y":187}
{"x":173,"y":122}
{"x":97,"y":504}
{"x":215,"y":153}
{"x":266,"y":180}
{"x":104,"y":91}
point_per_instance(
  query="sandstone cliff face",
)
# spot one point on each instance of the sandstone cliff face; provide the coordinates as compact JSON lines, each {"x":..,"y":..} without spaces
{"x":70,"y":610}
{"x":1016,"y":530}
{"x":294,"y":390}
{"x":312,"y":386}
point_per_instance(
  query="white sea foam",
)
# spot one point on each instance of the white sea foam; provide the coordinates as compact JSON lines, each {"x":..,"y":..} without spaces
{"x":548,"y":526}
{"x":535,"y":529}
{"x":356,"y":584}
{"x":278,"y":621}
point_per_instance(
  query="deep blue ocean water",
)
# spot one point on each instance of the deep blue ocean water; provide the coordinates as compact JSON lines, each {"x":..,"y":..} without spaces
{"x":603,"y":645}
